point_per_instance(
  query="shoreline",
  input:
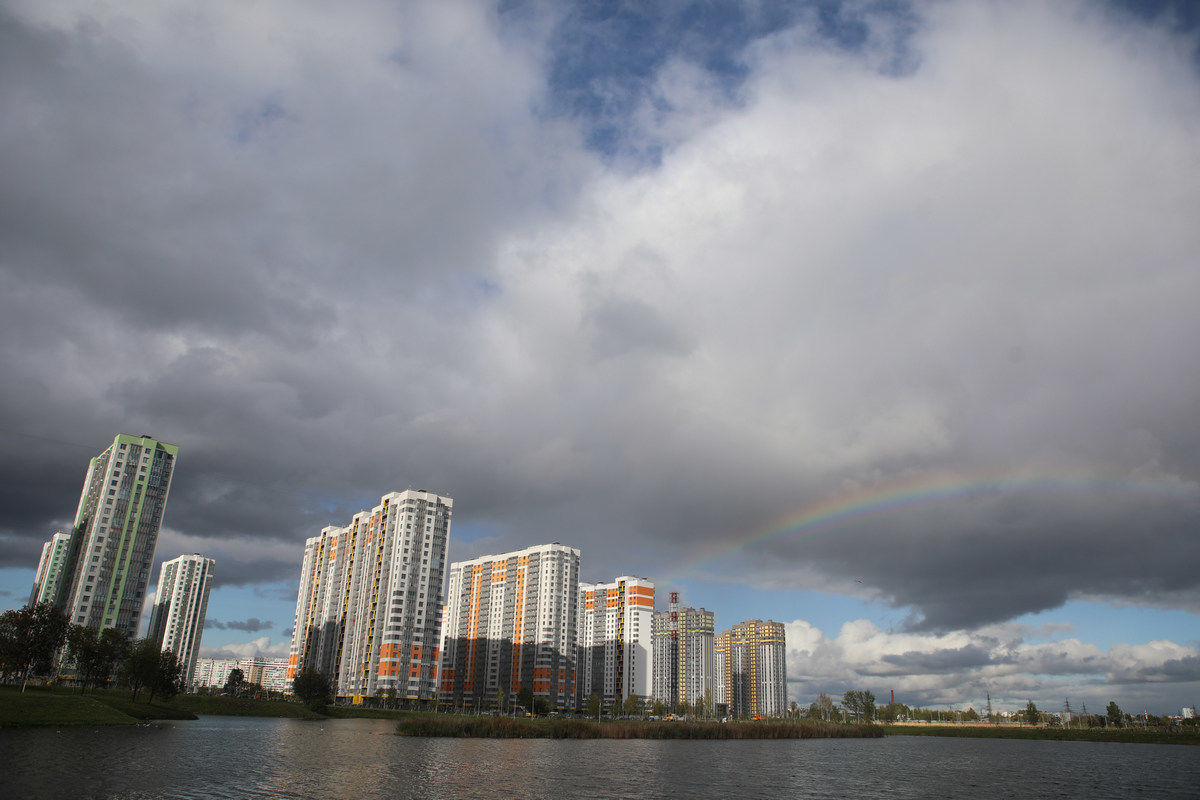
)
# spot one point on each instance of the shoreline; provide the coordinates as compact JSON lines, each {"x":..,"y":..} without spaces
{"x":1112,"y":735}
{"x":112,"y":707}
{"x":456,"y":726}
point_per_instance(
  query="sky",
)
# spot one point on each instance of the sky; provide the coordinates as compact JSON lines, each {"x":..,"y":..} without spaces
{"x":876,"y":318}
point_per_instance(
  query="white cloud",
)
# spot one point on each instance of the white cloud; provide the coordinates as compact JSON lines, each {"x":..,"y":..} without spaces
{"x":962,"y":667}
{"x":262,"y":646}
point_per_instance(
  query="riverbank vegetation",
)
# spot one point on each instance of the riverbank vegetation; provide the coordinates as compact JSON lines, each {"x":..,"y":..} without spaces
{"x":1140,"y":735}
{"x":65,"y":707}
{"x":497,"y":727}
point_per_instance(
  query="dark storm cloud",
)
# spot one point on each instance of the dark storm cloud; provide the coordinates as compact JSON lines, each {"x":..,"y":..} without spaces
{"x":913,"y":662}
{"x":252,"y":625}
{"x":334,"y":254}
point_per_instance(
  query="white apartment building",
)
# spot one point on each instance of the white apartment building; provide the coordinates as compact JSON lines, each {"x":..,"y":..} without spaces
{"x":616,"y":655}
{"x":368,"y":609}
{"x":267,"y":672}
{"x":50,"y":568}
{"x":511,"y":626}
{"x":111,"y":549}
{"x":180,"y":605}
{"x":214,"y":671}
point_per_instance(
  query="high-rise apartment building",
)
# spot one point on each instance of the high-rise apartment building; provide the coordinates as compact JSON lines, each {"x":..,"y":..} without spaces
{"x":50,"y":568}
{"x":368,"y":609}
{"x":111,"y":548}
{"x":683,"y":655}
{"x":512,"y":621}
{"x":752,"y":669}
{"x":615,"y":651}
{"x":180,"y":603}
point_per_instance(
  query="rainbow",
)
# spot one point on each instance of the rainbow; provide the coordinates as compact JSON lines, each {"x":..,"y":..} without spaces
{"x":826,"y":516}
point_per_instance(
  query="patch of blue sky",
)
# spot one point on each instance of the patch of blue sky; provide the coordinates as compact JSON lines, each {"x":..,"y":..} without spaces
{"x":15,"y":585}
{"x":1105,"y":625}
{"x":275,"y":602}
{"x":606,"y":55}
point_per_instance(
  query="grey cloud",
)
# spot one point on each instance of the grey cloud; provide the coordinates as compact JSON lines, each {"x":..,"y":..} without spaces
{"x":939,"y":661}
{"x":398,"y":273}
{"x":252,"y":625}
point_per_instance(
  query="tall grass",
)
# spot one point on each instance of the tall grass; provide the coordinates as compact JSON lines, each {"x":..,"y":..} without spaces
{"x":510,"y":728}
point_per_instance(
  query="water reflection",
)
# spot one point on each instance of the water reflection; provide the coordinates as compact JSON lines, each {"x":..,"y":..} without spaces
{"x":231,"y":757}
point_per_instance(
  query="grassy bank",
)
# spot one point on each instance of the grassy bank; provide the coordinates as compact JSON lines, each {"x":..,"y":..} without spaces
{"x":557,"y":728}
{"x":42,"y":707}
{"x":1126,"y":735}
{"x":242,"y":707}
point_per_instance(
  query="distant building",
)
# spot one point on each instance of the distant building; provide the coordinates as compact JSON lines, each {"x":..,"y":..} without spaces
{"x":1188,"y":712}
{"x":180,"y":604}
{"x":107,"y":559}
{"x":368,"y":606}
{"x":616,"y":655}
{"x":683,"y":655}
{"x":267,"y":672}
{"x":511,"y":626}
{"x":213,"y":671}
{"x":751,"y":669}
{"x":50,"y":568}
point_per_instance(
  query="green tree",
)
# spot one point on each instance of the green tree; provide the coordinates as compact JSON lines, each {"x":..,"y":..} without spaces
{"x":860,"y":703}
{"x":541,"y":705}
{"x":95,"y":655}
{"x":168,"y":674}
{"x":632,"y":705}
{"x":525,"y":698}
{"x":593,"y":705}
{"x":891,"y":712}
{"x":233,"y":683}
{"x":659,"y":709}
{"x":683,"y":708}
{"x":822,"y":708}
{"x":313,"y":689}
{"x":1115,"y":716}
{"x":707,"y":708}
{"x":29,"y":638}
{"x":794,"y":709}
{"x":140,"y":668}
{"x":1031,"y":713}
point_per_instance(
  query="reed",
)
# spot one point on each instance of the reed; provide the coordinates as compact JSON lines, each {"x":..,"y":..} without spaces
{"x":558,"y":728}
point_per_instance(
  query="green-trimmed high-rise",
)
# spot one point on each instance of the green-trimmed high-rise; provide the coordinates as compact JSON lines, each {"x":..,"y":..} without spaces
{"x":116,"y":529}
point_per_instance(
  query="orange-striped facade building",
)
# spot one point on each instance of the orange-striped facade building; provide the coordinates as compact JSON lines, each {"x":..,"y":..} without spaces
{"x":511,"y":625}
{"x":368,"y":610}
{"x":616,"y":654}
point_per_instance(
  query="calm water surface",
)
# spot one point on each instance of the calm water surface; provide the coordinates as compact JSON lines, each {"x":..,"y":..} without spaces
{"x":232,"y":757}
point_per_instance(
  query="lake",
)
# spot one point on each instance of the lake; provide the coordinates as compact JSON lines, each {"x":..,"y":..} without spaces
{"x":239,"y":757}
